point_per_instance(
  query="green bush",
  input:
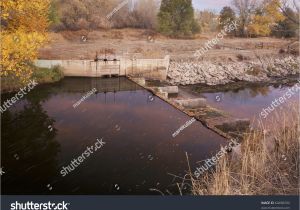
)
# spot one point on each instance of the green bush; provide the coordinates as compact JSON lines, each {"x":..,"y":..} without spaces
{"x":11,"y":83}
{"x":46,"y":75}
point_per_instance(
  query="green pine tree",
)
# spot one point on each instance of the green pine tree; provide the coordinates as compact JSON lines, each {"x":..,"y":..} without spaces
{"x":227,"y":15}
{"x":176,"y":18}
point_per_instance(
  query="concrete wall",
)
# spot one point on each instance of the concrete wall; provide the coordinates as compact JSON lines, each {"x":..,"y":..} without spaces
{"x":149,"y":68}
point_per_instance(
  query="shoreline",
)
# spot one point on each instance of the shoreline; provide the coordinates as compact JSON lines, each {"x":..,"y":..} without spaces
{"x":41,"y":75}
{"x":242,"y":84}
{"x":210,"y":117}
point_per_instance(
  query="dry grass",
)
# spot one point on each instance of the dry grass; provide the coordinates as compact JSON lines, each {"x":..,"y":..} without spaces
{"x":69,"y":45}
{"x":268,"y":163}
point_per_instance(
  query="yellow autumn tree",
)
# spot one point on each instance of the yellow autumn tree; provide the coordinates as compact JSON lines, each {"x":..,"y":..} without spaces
{"x":24,"y":30}
{"x":265,"y":18}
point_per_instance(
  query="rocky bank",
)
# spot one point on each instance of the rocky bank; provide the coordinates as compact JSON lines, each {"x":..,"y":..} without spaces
{"x":212,"y":73}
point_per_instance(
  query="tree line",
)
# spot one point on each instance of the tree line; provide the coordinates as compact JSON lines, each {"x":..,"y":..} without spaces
{"x":178,"y":18}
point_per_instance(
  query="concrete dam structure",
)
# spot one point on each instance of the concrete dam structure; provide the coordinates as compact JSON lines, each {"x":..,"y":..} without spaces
{"x":135,"y":67}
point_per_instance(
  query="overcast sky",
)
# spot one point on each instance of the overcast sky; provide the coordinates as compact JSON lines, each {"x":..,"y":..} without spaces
{"x":216,"y":5}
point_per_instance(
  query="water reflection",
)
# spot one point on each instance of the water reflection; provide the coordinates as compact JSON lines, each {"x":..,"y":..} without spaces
{"x":248,"y":101}
{"x":137,"y":127}
{"x":28,"y":146}
{"x":82,"y":85}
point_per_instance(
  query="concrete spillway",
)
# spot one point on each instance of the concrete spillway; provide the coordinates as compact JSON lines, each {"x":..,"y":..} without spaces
{"x":148,"y":68}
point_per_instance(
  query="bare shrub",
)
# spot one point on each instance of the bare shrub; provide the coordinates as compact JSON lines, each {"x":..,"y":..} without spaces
{"x":143,"y":15}
{"x":282,"y":51}
{"x":255,"y":71}
{"x":85,"y":14}
{"x":242,"y":57}
{"x":92,"y":14}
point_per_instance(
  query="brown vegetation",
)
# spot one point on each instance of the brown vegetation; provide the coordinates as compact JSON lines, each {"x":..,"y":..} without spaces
{"x":268,"y":162}
{"x":95,"y":14}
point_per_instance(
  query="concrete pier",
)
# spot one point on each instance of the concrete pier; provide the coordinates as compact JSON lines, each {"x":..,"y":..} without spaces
{"x":192,"y":103}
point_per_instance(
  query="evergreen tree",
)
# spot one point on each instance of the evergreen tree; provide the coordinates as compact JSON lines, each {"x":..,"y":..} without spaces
{"x":53,"y":13}
{"x":227,"y":15}
{"x":176,"y":18}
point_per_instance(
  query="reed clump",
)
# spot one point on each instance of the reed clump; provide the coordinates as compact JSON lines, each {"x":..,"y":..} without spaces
{"x":267,"y":162}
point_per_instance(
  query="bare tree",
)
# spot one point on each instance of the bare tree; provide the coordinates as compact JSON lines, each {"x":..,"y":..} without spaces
{"x":147,"y":11}
{"x":245,"y":8}
{"x":143,"y":14}
{"x":208,"y":20}
{"x":285,"y":4}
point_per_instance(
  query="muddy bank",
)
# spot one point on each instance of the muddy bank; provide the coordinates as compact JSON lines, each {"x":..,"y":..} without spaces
{"x":213,"y":73}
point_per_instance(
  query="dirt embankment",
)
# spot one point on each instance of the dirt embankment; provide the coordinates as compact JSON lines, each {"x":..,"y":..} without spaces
{"x":230,"y":59}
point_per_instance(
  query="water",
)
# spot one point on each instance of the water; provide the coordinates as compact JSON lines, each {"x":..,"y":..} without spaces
{"x":43,"y":133}
{"x":250,"y":100}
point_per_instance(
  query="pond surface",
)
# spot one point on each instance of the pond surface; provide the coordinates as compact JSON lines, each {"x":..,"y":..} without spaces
{"x":43,"y":133}
{"x":250,"y":100}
